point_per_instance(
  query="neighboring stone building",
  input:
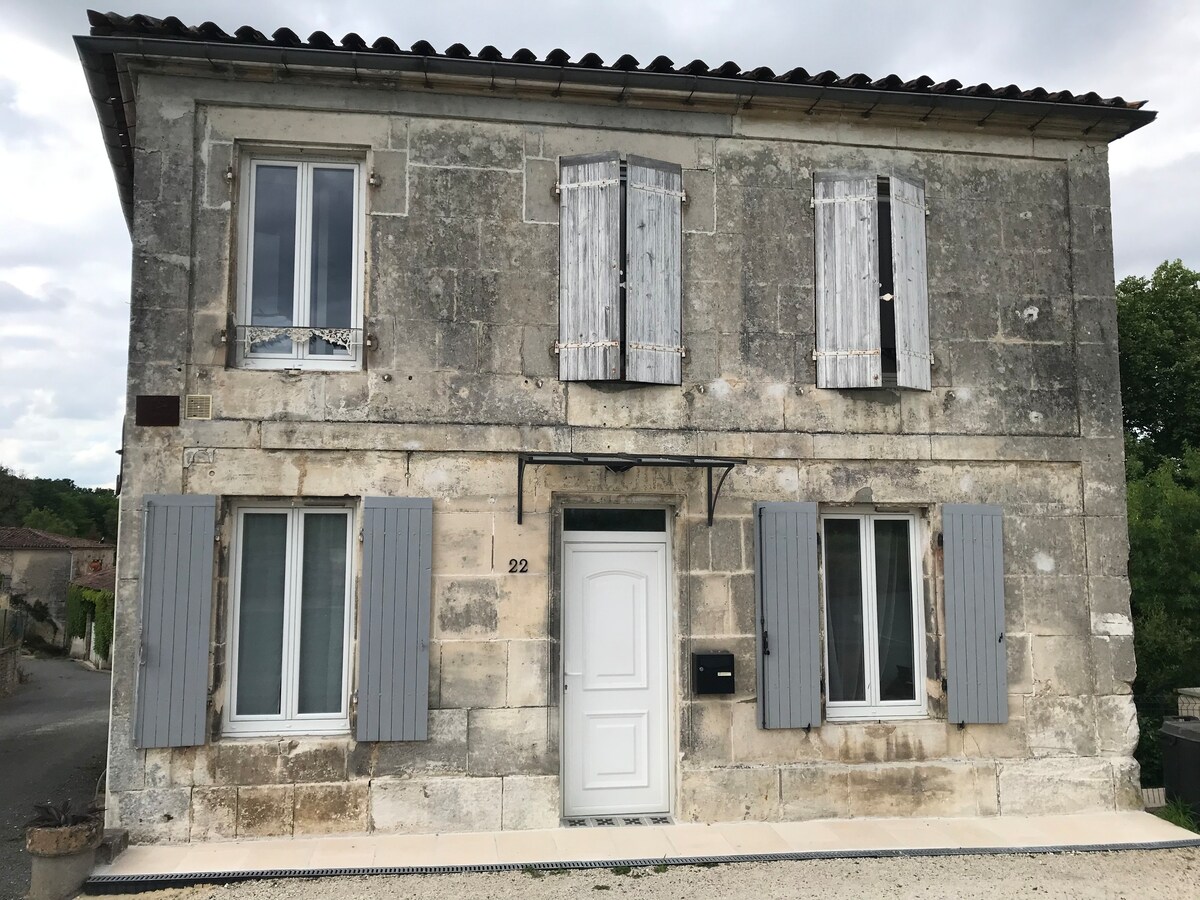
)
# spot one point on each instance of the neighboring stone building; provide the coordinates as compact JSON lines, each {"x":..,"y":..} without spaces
{"x":471,"y":396}
{"x":35,"y":569}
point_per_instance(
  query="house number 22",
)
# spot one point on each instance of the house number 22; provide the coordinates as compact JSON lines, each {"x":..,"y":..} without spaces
{"x":518,"y":565}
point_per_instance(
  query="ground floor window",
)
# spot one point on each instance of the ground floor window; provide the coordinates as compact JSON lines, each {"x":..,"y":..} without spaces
{"x":874,"y":623}
{"x":290,"y":621}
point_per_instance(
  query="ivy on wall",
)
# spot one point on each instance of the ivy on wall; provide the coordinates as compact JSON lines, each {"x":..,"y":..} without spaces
{"x":88,"y":603}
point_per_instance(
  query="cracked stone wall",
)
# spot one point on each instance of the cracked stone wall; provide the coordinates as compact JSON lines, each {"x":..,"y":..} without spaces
{"x":461,"y":297}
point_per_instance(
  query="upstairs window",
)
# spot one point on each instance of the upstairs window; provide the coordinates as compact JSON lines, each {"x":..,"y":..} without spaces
{"x":300,"y":296}
{"x":872,"y":294}
{"x":620,"y":270}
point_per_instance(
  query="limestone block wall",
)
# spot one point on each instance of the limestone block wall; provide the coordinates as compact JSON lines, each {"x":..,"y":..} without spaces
{"x":462,"y":301}
{"x":40,"y":576}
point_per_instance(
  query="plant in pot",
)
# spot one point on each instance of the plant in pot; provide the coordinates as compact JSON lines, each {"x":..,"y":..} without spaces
{"x":62,"y":839}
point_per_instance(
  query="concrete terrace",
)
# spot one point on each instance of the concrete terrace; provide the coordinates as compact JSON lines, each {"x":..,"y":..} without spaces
{"x":142,"y":867}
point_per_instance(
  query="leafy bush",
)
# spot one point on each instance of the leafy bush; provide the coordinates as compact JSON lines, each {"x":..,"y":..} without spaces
{"x":77,"y":612}
{"x":84,"y":603}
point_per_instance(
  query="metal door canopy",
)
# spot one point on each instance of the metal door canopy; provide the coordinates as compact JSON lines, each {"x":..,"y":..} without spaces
{"x":623,"y":462}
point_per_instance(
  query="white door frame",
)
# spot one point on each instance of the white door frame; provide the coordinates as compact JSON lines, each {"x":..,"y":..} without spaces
{"x":671,"y":694}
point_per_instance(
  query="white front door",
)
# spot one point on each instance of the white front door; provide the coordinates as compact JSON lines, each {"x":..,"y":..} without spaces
{"x":616,"y":757}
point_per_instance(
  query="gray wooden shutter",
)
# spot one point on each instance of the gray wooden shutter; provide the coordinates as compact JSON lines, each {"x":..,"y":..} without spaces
{"x":789,"y":622}
{"x":653,"y":272}
{"x":393,"y":619}
{"x":177,"y":586}
{"x":848,"y":341}
{"x":589,"y":259}
{"x":910,"y":284}
{"x":976,"y":657}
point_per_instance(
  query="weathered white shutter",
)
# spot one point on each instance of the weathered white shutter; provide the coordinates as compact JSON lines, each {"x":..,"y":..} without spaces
{"x":177,"y":587}
{"x":393,"y":636}
{"x":976,"y":652}
{"x":848,"y":343}
{"x":589,"y":277}
{"x":911,"y":288}
{"x":789,"y":617}
{"x":653,"y":276}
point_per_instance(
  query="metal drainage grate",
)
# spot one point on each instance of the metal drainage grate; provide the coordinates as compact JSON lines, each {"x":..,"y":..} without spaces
{"x":615,"y":821}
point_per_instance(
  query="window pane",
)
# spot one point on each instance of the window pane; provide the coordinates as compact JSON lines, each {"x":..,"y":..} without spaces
{"x":893,"y":591}
{"x":590,"y":518}
{"x":332,"y":276}
{"x":322,"y":613}
{"x":844,"y":609}
{"x":260,"y":614}
{"x":273,"y":284}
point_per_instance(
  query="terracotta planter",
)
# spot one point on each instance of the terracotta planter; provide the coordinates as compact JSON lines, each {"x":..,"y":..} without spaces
{"x":65,"y":840}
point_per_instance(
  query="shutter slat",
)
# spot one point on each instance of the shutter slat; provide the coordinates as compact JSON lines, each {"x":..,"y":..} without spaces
{"x":176,"y":620}
{"x":393,"y":642}
{"x":789,"y":677}
{"x":911,"y":289}
{"x":976,"y":647}
{"x":589,"y":315}
{"x":847,"y":281}
{"x":653,"y":279}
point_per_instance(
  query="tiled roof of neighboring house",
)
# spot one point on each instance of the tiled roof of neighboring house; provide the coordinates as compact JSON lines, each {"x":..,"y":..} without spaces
{"x":145,"y":36}
{"x":13,"y":538}
{"x":104,"y":580}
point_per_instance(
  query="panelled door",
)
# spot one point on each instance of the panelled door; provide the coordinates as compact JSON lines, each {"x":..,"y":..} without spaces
{"x":616,"y":745}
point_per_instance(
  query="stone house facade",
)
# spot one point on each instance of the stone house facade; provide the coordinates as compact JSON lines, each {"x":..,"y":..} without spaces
{"x":36,"y":567}
{"x":463,"y":386}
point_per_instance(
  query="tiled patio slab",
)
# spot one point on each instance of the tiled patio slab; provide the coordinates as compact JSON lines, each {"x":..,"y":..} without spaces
{"x":142,"y":866}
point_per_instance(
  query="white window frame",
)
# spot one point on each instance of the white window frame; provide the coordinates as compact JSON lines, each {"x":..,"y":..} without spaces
{"x":872,"y":708}
{"x":288,"y":721}
{"x":299,"y":358}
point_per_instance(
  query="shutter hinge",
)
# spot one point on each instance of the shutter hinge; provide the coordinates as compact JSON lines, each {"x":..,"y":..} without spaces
{"x":766,"y":643}
{"x":945,"y":686}
{"x":941,"y":540}
{"x":360,"y":535}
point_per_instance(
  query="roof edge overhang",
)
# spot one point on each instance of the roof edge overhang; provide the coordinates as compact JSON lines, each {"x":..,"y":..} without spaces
{"x":111,"y":90}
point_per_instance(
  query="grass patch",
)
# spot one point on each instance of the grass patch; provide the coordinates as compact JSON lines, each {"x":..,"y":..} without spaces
{"x":532,"y":872}
{"x":659,"y":869}
{"x":601,"y":887}
{"x":621,"y":870}
{"x":1179,"y":813}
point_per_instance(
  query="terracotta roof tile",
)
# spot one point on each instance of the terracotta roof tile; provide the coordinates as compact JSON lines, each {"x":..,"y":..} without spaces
{"x":14,"y":538}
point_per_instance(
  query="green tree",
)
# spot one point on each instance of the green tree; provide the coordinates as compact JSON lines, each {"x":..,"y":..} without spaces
{"x":1164,"y":573}
{"x":1159,"y":321}
{"x":46,"y":520}
{"x":57,"y":504}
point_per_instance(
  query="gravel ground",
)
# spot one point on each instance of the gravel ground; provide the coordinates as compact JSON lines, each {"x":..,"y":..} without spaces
{"x":1133,"y":874}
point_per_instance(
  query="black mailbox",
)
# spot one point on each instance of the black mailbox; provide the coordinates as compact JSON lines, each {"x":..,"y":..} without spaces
{"x":712,"y":673}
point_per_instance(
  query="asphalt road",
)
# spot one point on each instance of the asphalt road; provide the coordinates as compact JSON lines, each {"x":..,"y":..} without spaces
{"x":53,"y":735}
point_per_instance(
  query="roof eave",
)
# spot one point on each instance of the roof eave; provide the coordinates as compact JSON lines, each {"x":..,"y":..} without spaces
{"x":99,"y":57}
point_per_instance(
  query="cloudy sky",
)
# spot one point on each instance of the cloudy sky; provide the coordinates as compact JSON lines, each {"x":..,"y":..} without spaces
{"x":64,"y":250}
